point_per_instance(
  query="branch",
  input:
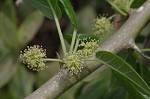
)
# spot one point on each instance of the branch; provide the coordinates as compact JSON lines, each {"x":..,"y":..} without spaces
{"x":62,"y":81}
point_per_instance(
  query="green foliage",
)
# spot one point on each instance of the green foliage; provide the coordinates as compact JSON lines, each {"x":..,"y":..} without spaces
{"x":105,"y":86}
{"x":125,"y":73}
{"x":137,"y":3}
{"x":7,"y":25}
{"x":34,"y":20}
{"x":70,"y":12}
{"x":46,"y":7}
{"x":9,"y":10}
{"x":8,"y":68}
{"x":96,"y":88}
{"x":12,"y":39}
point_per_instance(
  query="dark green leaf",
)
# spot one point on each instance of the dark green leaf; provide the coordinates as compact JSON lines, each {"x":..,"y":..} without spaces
{"x":96,"y":88}
{"x":68,"y":38}
{"x":115,"y":87}
{"x":70,"y":12}
{"x":146,"y":73}
{"x":125,"y":72}
{"x":130,"y":87}
{"x":45,"y":7}
{"x":137,"y":3}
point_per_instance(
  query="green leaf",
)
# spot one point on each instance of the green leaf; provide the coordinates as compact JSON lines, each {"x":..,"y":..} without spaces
{"x":25,"y":85}
{"x":8,"y":68}
{"x":29,"y":28}
{"x":45,"y":8}
{"x":125,"y":73}
{"x":8,"y":9}
{"x":68,"y":38}
{"x":132,"y":90}
{"x":146,"y":75}
{"x":7,"y":30}
{"x":70,"y":12}
{"x":137,"y":3}
{"x":115,"y":87}
{"x":95,"y":88}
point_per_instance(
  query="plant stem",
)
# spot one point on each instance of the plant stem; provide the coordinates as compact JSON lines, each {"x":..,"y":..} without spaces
{"x":109,"y":18}
{"x":54,"y":60}
{"x":59,"y":30}
{"x":116,"y":8}
{"x":76,"y":46}
{"x":145,"y":50}
{"x":73,"y":40}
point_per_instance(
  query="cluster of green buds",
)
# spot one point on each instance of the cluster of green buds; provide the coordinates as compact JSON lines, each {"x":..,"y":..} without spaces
{"x":101,"y":26}
{"x":122,"y":6}
{"x":34,"y":57}
{"x":74,"y":61}
{"x":88,"y":47}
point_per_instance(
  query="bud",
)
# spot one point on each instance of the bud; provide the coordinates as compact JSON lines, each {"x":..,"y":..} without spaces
{"x":34,"y":57}
{"x":123,"y":5}
{"x":73,"y":62}
{"x":89,"y":47}
{"x":101,"y":26}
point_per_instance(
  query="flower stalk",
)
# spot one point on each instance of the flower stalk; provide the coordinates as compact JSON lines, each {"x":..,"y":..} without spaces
{"x":59,"y":30}
{"x":73,"y":40}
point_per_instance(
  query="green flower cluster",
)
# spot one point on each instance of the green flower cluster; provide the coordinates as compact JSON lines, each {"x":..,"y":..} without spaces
{"x":101,"y":26}
{"x":123,"y":5}
{"x":34,"y":57}
{"x":88,"y":46}
{"x":74,"y":61}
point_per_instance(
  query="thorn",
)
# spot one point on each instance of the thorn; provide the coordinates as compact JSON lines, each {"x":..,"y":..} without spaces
{"x":134,"y":47}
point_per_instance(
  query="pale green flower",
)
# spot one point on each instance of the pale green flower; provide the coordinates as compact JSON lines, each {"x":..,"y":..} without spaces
{"x":101,"y":26}
{"x":89,"y":47}
{"x":123,"y":5}
{"x":34,"y":57}
{"x":73,"y":62}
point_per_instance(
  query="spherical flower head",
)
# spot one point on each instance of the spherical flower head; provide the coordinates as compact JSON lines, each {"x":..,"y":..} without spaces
{"x":101,"y":26}
{"x":73,"y":62}
{"x":34,"y":57}
{"x":89,"y":47}
{"x":123,"y":5}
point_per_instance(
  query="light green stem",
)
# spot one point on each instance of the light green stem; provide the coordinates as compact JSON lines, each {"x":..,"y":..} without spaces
{"x":59,"y":30}
{"x":73,"y":40}
{"x":145,"y":50}
{"x":112,"y":16}
{"x":54,"y":60}
{"x":76,"y":46}
{"x":116,"y":8}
